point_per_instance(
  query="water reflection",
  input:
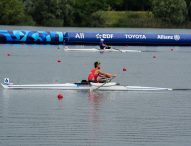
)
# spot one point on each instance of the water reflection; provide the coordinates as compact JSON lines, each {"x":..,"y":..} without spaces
{"x":5,"y":96}
{"x":95,"y":100}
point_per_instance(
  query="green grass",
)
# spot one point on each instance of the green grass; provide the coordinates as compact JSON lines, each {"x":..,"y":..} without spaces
{"x":136,"y":19}
{"x":114,"y":18}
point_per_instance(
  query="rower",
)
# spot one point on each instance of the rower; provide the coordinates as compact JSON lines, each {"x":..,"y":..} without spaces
{"x":96,"y":75}
{"x":103,"y":46}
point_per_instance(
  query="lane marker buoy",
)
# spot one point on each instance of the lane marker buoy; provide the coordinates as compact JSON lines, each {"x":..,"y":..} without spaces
{"x":58,"y":60}
{"x":60,"y":96}
{"x":124,"y":69}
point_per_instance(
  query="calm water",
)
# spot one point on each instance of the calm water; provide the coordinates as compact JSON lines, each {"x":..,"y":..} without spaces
{"x":37,"y":117}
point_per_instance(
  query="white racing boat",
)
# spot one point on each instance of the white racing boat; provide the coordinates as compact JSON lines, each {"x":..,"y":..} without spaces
{"x":101,"y":51}
{"x":111,"y":86}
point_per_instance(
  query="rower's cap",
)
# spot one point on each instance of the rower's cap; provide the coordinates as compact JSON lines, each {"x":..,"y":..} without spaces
{"x":102,"y":40}
{"x":96,"y":63}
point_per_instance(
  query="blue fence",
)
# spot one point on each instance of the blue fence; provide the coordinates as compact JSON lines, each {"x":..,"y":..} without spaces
{"x":127,"y":38}
{"x":32,"y":37}
{"x":92,"y":38}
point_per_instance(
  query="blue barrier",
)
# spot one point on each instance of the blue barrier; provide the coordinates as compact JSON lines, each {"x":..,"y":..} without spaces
{"x":92,"y":38}
{"x":32,"y":37}
{"x":74,"y":38}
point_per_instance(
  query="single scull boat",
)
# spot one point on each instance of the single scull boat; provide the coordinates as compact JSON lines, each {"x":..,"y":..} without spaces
{"x":104,"y":50}
{"x":111,"y":86}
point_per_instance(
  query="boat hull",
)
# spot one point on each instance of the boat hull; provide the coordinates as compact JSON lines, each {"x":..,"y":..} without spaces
{"x":105,"y":50}
{"x":69,"y":86}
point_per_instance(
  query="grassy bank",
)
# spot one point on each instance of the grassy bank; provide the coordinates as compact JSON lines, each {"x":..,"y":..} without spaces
{"x":137,"y":19}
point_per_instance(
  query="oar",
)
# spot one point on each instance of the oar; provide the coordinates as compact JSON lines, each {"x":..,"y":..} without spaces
{"x":117,"y":50}
{"x":109,"y":80}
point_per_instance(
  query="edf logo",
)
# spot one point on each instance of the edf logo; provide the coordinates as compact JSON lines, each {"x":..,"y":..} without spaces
{"x":104,"y":36}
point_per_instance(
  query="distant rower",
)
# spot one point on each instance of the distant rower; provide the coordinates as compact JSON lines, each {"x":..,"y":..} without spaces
{"x":96,"y":75}
{"x":103,"y":46}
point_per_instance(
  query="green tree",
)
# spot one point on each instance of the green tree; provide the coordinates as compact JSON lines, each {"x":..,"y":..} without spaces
{"x":188,"y":2}
{"x":189,"y":11}
{"x":136,"y":5}
{"x":171,"y":11}
{"x":12,"y":12}
{"x":51,"y":12}
{"x":45,"y":12}
{"x":84,"y":14}
{"x":115,"y":4}
{"x":67,"y":12}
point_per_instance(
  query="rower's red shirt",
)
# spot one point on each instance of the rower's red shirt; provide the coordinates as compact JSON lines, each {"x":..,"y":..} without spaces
{"x":92,"y":75}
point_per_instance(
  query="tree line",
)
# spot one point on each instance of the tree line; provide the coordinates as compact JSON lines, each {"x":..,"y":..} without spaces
{"x":84,"y":13}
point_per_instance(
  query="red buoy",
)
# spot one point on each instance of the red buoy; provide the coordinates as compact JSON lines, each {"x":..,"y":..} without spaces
{"x":60,"y":96}
{"x":58,"y":60}
{"x":124,"y":69}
